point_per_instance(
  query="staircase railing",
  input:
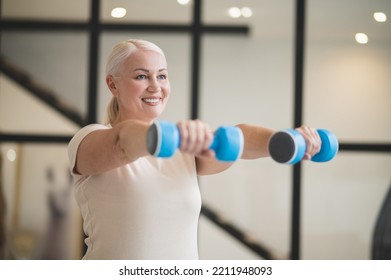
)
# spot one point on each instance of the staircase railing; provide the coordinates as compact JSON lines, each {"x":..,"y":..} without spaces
{"x":43,"y":93}
{"x":237,"y":233}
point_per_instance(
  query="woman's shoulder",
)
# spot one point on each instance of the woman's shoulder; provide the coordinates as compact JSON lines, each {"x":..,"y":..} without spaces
{"x":84,"y":131}
{"x":90,"y":128}
{"x":95,"y":126}
{"x":75,"y":141}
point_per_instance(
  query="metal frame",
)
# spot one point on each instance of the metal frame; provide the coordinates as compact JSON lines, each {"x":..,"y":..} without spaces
{"x":297,"y":121}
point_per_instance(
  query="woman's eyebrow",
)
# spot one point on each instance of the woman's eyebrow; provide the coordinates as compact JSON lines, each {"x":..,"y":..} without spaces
{"x":146,"y":70}
{"x":140,"y":69}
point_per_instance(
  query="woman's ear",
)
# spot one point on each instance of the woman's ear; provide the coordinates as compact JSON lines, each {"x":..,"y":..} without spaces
{"x":111,"y":84}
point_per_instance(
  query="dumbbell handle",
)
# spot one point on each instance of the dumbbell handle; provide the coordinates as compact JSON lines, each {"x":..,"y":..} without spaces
{"x":163,"y":139}
{"x":288,"y":146}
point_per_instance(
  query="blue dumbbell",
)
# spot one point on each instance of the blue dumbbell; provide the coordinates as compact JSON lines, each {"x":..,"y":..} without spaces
{"x":163,"y":139}
{"x":288,"y":146}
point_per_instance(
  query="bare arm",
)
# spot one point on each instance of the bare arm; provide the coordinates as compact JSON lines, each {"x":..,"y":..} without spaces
{"x":105,"y":149}
{"x":256,"y":140}
{"x":255,"y":146}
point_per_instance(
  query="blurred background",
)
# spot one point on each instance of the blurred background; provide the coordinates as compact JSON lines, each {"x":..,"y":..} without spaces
{"x":275,"y":63}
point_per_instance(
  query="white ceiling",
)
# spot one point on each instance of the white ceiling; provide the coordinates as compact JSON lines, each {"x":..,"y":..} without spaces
{"x":271,"y":18}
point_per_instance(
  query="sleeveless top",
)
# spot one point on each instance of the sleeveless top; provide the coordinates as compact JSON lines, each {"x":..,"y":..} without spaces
{"x":148,"y":209}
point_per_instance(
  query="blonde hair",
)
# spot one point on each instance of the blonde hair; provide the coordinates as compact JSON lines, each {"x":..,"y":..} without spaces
{"x":118,"y":55}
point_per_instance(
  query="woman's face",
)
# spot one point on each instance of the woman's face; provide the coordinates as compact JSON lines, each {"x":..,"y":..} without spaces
{"x":142,"y":87}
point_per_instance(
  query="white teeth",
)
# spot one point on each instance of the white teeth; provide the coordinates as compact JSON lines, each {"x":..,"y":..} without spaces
{"x":151,"y":100}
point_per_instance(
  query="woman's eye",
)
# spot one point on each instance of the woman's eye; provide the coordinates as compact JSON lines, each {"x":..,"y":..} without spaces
{"x":141,"y":77}
{"x":163,"y":77}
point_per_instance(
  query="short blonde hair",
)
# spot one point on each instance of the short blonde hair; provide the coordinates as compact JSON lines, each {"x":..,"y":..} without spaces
{"x":118,"y":55}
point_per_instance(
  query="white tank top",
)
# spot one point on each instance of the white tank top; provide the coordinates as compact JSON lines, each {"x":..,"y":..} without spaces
{"x":148,"y":209}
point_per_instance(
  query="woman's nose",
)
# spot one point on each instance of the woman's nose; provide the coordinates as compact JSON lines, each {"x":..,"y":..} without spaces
{"x":153,"y":85}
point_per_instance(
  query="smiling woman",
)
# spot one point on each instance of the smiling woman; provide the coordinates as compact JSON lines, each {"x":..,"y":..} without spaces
{"x":135,"y":205}
{"x":124,"y":70}
{"x":143,"y":76}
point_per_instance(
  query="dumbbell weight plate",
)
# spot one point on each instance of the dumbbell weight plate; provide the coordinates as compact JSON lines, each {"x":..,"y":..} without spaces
{"x":329,"y":147}
{"x":153,"y":140}
{"x":161,"y":144}
{"x":287,"y":146}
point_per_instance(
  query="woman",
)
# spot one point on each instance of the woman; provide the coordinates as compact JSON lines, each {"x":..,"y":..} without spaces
{"x":136,"y":206}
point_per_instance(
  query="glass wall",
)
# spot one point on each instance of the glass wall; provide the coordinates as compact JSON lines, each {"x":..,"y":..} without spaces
{"x":249,"y":79}
{"x":46,"y":10}
{"x":41,"y":218}
{"x":54,"y":63}
{"x":347,"y":83}
{"x":347,"y":90}
{"x":146,"y":12}
{"x":43,"y":95}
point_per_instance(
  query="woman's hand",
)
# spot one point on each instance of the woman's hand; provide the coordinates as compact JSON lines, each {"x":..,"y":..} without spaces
{"x":196,"y":138}
{"x":312,"y":141}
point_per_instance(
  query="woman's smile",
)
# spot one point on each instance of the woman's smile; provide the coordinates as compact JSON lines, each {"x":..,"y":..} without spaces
{"x":152,"y":101}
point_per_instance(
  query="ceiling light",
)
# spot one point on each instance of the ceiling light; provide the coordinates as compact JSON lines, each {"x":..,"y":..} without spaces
{"x":380,"y":17}
{"x":234,"y":12}
{"x":11,"y":155}
{"x":361,"y":38}
{"x":118,"y":12}
{"x":246,"y":12}
{"x":183,"y":2}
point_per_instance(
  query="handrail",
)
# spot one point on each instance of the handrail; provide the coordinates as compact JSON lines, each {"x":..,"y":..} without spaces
{"x":237,"y":234}
{"x":46,"y":95}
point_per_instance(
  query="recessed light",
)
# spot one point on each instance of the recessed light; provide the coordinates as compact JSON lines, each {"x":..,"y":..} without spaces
{"x":380,"y":17}
{"x":11,"y":155}
{"x":246,"y":12}
{"x":118,"y":12}
{"x":361,"y":38}
{"x":183,"y":2}
{"x":234,"y":12}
